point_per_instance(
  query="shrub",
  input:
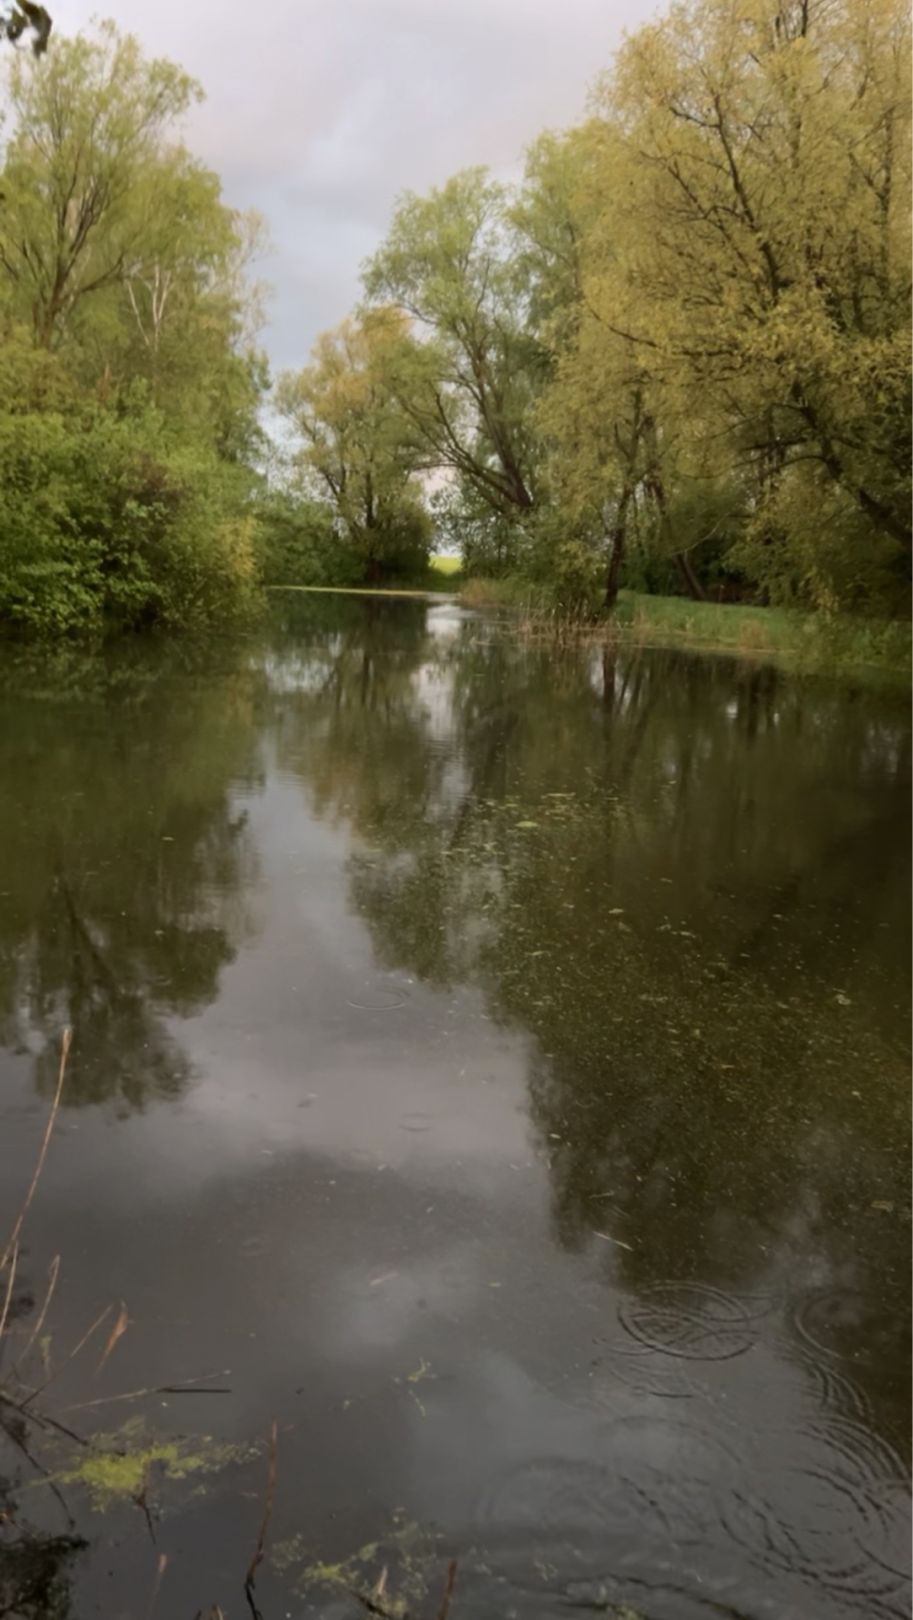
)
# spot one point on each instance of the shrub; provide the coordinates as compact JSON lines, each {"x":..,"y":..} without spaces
{"x":107,"y":524}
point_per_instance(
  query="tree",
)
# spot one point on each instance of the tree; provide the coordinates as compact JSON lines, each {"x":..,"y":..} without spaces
{"x":610,"y":463}
{"x":357,"y":442}
{"x":469,"y":377}
{"x":128,"y":415}
{"x":759,"y":163}
{"x":184,"y":315}
{"x":89,"y":119}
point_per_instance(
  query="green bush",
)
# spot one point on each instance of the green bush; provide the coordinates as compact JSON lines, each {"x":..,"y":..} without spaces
{"x":298,"y":544}
{"x":107,"y":524}
{"x":300,"y":541}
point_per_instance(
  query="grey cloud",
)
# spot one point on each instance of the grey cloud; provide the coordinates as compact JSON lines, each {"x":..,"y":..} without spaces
{"x":320,"y":117}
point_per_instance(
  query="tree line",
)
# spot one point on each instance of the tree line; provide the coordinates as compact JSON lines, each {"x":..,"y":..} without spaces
{"x":130,"y":380}
{"x":675,"y":356}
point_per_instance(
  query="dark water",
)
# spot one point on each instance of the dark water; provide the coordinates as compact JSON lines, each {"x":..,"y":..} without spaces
{"x":492,"y":1066}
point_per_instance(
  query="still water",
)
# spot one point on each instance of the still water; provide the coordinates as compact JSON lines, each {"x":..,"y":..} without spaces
{"x":490,"y":1065}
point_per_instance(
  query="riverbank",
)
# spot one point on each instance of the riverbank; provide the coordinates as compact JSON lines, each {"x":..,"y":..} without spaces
{"x":672,"y":621}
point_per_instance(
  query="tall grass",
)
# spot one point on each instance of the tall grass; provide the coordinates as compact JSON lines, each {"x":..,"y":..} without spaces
{"x":802,"y":640}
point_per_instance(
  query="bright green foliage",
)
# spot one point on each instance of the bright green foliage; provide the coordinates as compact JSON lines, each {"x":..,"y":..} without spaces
{"x":108,"y":524}
{"x":298,"y":543}
{"x":130,"y":385}
{"x":357,"y":446}
{"x":743,"y":324}
{"x":88,"y":122}
{"x":467,"y":380}
{"x":678,"y":356}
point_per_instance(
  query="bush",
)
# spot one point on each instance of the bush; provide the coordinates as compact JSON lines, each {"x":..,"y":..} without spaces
{"x":300,"y":541}
{"x":297,"y":542}
{"x":107,"y":524}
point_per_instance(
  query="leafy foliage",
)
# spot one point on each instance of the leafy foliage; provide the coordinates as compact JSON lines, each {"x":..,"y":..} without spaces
{"x":108,"y":524}
{"x":678,"y":355}
{"x":128,"y":421}
{"x":298,"y":542}
{"x":357,"y":445}
{"x":743,"y":317}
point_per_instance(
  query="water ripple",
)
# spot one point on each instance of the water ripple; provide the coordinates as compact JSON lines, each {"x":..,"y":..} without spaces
{"x":689,"y":1320}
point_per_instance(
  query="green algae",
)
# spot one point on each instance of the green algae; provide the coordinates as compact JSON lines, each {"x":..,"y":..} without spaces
{"x":392,"y":1572}
{"x":120,"y":1465}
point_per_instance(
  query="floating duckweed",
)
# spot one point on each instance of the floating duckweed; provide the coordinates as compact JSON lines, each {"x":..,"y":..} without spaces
{"x":406,"y":1554}
{"x":120,"y":1464}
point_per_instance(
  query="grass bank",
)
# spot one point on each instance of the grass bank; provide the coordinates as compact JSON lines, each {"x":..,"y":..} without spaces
{"x":673,"y":621}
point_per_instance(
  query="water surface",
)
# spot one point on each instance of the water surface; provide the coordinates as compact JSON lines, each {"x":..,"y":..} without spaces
{"x":491,"y":1065}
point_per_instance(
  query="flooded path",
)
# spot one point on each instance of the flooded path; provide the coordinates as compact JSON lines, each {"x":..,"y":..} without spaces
{"x":492,"y":1066}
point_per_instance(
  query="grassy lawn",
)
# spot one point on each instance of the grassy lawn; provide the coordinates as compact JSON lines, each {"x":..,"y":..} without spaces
{"x":677,"y":620}
{"x":673,"y":621}
{"x":801,"y":638}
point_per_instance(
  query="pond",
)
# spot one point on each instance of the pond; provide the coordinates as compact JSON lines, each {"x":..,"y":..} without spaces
{"x":490,"y":1065}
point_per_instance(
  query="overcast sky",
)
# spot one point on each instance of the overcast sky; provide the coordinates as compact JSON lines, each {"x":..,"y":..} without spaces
{"x":319,"y":114}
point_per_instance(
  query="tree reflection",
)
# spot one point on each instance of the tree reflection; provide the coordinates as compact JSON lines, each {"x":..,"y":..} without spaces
{"x":680,"y":876}
{"x":124,"y":861}
{"x":35,"y":1570}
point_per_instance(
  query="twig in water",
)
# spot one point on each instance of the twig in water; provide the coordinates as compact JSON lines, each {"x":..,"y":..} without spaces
{"x":44,"y":1419}
{"x":40,"y":1388}
{"x":4,"y":1313}
{"x":368,"y":1603}
{"x":249,"y":1579}
{"x":53,"y":1272}
{"x":194,"y":1389}
{"x":617,"y":1241}
{"x":14,"y":1431}
{"x":449,"y":1588}
{"x":160,"y":1568}
{"x":117,"y":1332}
{"x":13,"y":1240}
{"x":189,"y":1388}
{"x":142,"y":1501}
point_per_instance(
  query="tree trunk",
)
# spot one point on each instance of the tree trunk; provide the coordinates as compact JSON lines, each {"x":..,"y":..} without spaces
{"x":689,"y":578}
{"x":616,"y":556}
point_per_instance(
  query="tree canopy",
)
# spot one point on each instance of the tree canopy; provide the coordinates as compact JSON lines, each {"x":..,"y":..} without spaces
{"x":678,"y":354}
{"x":358,"y":445}
{"x":675,"y":356}
{"x":129,"y":416}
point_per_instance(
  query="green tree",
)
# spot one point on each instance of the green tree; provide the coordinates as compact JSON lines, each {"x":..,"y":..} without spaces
{"x":758,"y":160}
{"x":109,"y":524}
{"x":468,"y":379}
{"x":358,"y":445}
{"x":128,"y":419}
{"x":87,"y":120}
{"x":610,"y":464}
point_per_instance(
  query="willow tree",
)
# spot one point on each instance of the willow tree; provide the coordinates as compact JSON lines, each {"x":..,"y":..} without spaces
{"x":86,"y":122}
{"x":129,"y":415}
{"x":612,"y":462}
{"x":758,"y":154}
{"x":451,"y":262}
{"x":356,"y":443}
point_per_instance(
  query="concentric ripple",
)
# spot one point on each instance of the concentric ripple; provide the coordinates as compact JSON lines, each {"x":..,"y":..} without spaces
{"x":689,"y":1320}
{"x":836,"y":1518}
